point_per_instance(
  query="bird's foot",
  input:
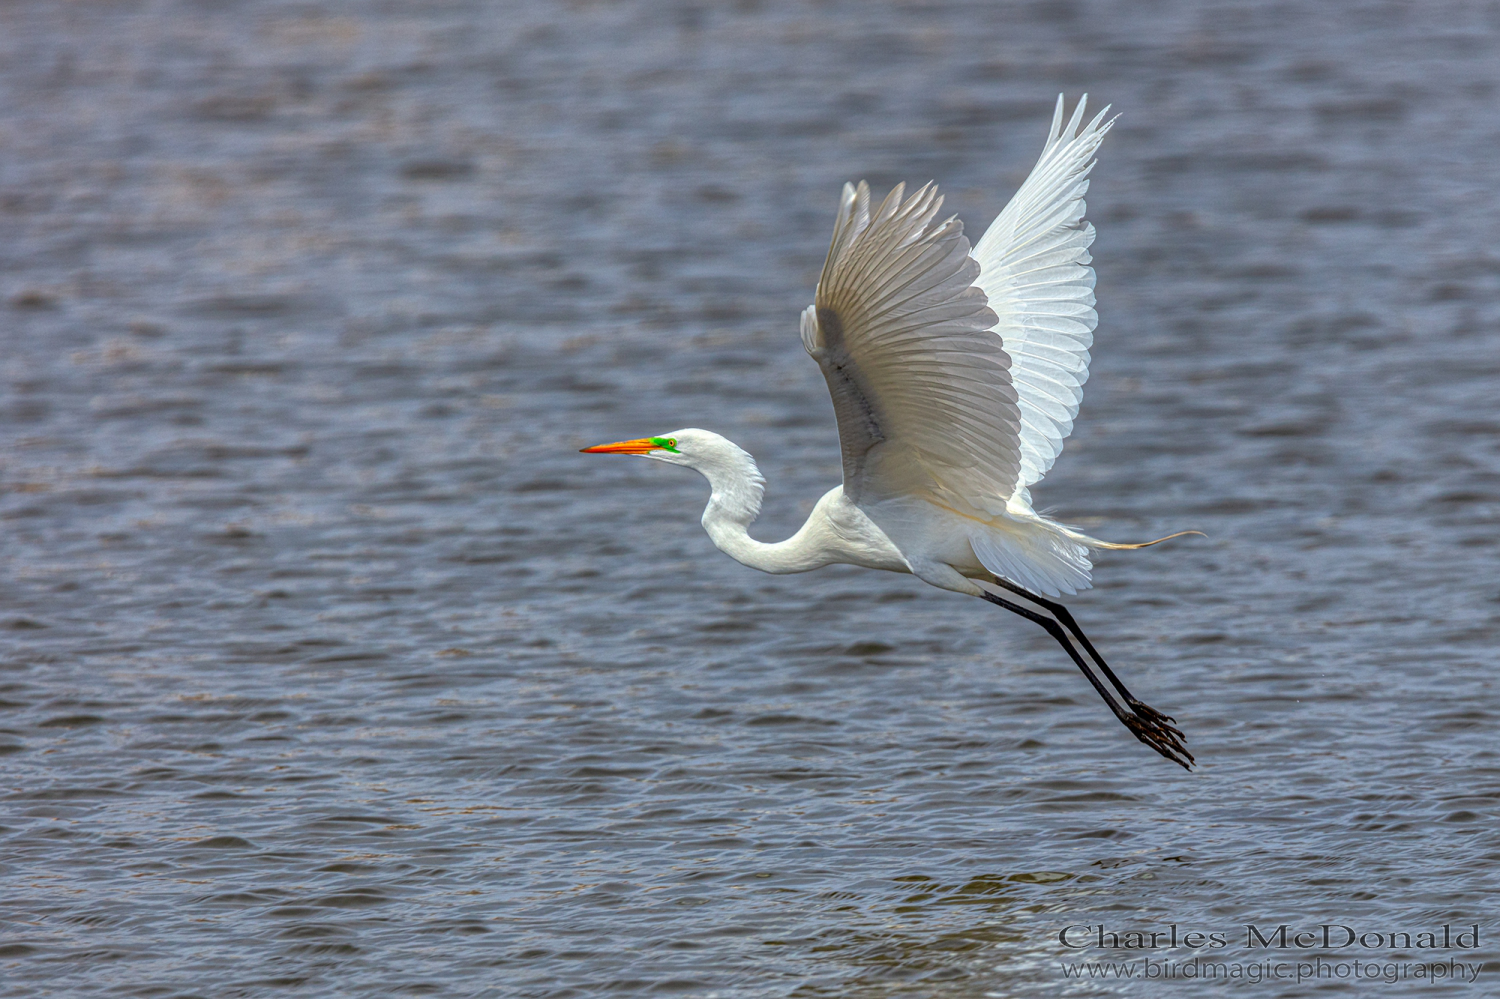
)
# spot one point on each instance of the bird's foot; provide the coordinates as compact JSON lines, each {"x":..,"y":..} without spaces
{"x":1157,"y":731}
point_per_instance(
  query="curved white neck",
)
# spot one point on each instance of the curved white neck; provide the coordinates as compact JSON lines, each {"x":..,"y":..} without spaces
{"x":737,"y":490}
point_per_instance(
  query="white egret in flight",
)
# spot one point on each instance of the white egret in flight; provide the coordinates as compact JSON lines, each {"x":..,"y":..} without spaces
{"x":955,"y":376}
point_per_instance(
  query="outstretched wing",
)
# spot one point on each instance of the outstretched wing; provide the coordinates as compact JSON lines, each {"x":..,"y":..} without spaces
{"x":920,"y":385}
{"x":1034,"y":268}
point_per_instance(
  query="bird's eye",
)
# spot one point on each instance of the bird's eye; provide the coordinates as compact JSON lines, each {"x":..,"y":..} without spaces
{"x":671,"y":441}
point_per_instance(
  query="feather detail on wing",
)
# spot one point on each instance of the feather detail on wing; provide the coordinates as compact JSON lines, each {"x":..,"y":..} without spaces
{"x":1034,"y":269}
{"x":920,"y":387}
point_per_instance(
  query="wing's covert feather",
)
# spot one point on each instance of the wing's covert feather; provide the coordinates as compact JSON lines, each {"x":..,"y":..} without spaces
{"x":920,"y":387}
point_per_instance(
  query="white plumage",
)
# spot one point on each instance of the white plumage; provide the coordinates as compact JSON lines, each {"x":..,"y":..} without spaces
{"x":955,"y":378}
{"x":1034,"y":270}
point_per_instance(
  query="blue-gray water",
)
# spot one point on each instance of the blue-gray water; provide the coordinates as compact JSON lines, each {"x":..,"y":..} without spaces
{"x":331,"y":668}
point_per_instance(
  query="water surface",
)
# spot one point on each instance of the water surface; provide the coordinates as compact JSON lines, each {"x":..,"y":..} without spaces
{"x":331,"y":668}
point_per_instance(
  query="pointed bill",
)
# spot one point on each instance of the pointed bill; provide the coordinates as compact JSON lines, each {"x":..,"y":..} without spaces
{"x":641,"y":445}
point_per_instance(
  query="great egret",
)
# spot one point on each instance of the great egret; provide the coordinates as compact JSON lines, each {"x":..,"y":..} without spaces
{"x":955,"y":376}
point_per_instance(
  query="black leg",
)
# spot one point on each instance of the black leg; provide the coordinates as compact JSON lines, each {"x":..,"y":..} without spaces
{"x":1062,"y":614}
{"x":1148,"y":725}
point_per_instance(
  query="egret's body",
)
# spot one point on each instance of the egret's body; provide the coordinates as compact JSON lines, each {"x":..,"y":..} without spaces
{"x":955,"y":377}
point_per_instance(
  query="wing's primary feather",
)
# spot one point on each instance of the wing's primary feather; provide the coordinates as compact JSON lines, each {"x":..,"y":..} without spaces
{"x":920,"y":385}
{"x":1034,"y":269}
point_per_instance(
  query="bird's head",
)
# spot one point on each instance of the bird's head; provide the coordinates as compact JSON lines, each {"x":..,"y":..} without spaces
{"x":680,"y":447}
{"x":731,"y":471}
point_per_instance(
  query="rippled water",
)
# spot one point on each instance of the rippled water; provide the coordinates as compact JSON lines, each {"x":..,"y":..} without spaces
{"x":329,"y":667}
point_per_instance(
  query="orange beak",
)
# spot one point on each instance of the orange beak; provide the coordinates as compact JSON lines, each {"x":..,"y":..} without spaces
{"x":641,"y":445}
